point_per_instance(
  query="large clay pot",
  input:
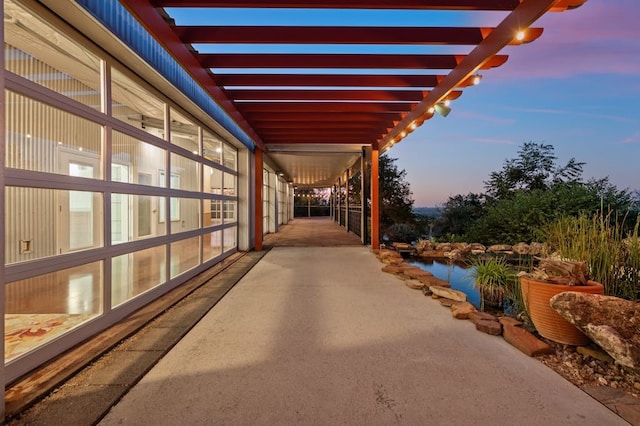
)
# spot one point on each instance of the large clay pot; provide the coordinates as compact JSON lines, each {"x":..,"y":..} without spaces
{"x":536,"y":296}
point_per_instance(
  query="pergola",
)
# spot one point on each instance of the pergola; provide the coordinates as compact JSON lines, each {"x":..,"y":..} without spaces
{"x":315,"y":112}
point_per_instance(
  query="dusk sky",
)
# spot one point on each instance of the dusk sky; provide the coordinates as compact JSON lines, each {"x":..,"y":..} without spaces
{"x":577,"y":88}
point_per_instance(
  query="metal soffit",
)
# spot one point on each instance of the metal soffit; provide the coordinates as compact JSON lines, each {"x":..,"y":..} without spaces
{"x":349,"y":85}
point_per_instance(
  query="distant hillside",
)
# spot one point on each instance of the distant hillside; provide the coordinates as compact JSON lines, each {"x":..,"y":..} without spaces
{"x":427,"y":211}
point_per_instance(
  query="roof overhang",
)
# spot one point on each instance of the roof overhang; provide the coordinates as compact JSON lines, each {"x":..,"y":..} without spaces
{"x":313,"y":110}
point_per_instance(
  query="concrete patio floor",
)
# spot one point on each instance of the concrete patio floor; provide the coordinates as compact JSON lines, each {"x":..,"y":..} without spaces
{"x":320,"y":335}
{"x":313,"y":335}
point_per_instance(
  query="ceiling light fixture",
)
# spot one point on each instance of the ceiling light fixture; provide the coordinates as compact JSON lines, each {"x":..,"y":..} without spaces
{"x":477,"y":79}
{"x":520,"y":35}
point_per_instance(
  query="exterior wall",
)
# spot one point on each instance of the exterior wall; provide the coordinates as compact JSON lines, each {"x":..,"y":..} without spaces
{"x":117,"y":190}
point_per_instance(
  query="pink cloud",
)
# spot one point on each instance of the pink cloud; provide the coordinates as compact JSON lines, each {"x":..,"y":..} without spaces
{"x":573,"y":112}
{"x":493,"y":141}
{"x":634,"y":138}
{"x":477,"y":116}
{"x":598,"y":37}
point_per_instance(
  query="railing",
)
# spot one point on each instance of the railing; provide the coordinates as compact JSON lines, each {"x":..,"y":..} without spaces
{"x":311,"y":211}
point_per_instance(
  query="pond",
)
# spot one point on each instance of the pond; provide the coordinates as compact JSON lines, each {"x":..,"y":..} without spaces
{"x":456,"y":275}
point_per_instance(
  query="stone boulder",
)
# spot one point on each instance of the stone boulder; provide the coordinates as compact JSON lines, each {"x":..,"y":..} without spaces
{"x":477,"y":248}
{"x":521,"y":248}
{"x":423,"y":245}
{"x":611,"y":322}
{"x":462,"y":310}
{"x":499,"y":248}
{"x":415,"y":284}
{"x":536,"y":249}
{"x":448,"y":293}
{"x":443,"y":247}
{"x":432,"y":254}
{"x":453,"y":254}
{"x":463,"y":248}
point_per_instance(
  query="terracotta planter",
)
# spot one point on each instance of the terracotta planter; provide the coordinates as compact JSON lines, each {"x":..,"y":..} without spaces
{"x":536,"y":296}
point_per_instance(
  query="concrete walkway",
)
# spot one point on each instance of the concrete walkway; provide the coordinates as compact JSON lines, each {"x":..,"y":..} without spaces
{"x":312,"y":231}
{"x":320,"y":336}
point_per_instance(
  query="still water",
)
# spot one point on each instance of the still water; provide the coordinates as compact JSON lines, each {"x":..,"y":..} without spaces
{"x":456,"y":275}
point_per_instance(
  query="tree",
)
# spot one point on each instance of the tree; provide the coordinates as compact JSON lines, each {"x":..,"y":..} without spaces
{"x":459,"y":213}
{"x":396,"y":202}
{"x":534,"y":169}
{"x":397,"y":219}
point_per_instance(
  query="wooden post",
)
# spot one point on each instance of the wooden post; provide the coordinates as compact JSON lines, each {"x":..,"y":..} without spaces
{"x":258,"y":170}
{"x":375,"y":201}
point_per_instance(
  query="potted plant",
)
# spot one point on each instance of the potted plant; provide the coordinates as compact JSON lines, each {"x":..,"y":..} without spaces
{"x":491,"y":277}
{"x":552,"y":277}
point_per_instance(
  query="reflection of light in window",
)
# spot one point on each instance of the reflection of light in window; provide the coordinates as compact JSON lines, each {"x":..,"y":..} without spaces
{"x":80,"y":296}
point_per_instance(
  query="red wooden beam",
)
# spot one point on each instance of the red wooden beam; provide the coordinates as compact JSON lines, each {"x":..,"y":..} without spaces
{"x":260,"y":126}
{"x":323,"y":116}
{"x":330,"y":35}
{"x":327,"y":95}
{"x":328,"y":80}
{"x":351,"y":4}
{"x":382,"y":107}
{"x":336,"y":61}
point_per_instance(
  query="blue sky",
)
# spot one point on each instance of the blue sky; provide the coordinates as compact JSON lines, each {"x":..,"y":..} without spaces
{"x":577,"y":88}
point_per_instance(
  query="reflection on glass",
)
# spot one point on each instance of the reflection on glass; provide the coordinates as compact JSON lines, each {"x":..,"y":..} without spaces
{"x":38,"y":52}
{"x":216,"y":212}
{"x":135,"y":105}
{"x":41,"y":308}
{"x":229,"y":212}
{"x":134,"y":273}
{"x":229,"y":238}
{"x":183,"y":132}
{"x":134,"y":161}
{"x":42,"y":138}
{"x":211,"y":245}
{"x":212,"y":180}
{"x":184,"y":255}
{"x":185,"y":214}
{"x":229,"y":184}
{"x":184,"y":173}
{"x":134,"y":217}
{"x":230,"y":157}
{"x":211,"y":147}
{"x":65,"y":221}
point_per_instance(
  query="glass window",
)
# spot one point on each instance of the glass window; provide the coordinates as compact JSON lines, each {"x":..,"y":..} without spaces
{"x":216,"y":212}
{"x":184,"y":255}
{"x":134,"y":161}
{"x":46,"y":139}
{"x":46,"y":222}
{"x":134,"y":273}
{"x":230,"y":157}
{"x":134,"y":217}
{"x":184,"y":173}
{"x":211,"y":245}
{"x":229,"y":238}
{"x":183,"y":132}
{"x":42,"y":308}
{"x":212,"y":180}
{"x":135,"y":105}
{"x":229,"y":184}
{"x":211,"y":147}
{"x":229,"y":212}
{"x":185,"y":214}
{"x":36,"y":51}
